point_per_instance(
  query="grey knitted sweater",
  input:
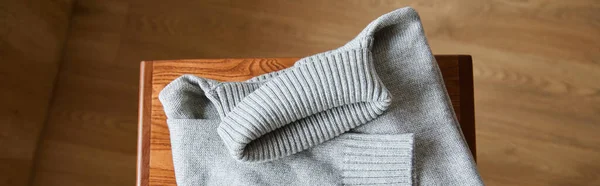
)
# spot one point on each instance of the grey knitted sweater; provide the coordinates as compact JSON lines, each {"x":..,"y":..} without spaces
{"x":372,"y":112}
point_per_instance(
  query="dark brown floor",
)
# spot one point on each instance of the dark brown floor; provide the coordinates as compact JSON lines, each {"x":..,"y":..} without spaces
{"x":536,"y":63}
{"x":32,"y":36}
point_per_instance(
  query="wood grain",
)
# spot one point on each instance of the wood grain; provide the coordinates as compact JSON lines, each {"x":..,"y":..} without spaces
{"x":90,"y":134}
{"x":32,"y":35}
{"x":535,"y":65}
{"x":160,"y":166}
{"x":155,"y":163}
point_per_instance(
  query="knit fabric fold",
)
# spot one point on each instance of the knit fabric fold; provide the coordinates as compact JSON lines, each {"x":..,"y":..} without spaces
{"x":304,"y":106}
{"x":350,"y":159}
{"x":372,"y":112}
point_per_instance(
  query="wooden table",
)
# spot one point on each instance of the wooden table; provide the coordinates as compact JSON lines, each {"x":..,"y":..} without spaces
{"x":155,"y":165}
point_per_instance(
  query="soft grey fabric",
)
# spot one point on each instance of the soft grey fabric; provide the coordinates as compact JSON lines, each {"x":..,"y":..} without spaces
{"x":372,"y":112}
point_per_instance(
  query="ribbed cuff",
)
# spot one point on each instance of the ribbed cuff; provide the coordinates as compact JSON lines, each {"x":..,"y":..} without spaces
{"x":314,"y":101}
{"x":374,"y":159}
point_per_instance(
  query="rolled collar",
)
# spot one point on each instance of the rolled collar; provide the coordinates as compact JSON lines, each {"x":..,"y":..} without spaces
{"x":317,"y":99}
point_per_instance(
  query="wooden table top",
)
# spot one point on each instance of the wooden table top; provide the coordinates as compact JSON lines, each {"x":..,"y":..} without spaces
{"x":155,"y":164}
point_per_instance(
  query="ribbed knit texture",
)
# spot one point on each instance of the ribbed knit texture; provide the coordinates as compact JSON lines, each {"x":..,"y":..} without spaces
{"x":377,"y":159}
{"x":309,"y":104}
{"x":328,"y":120}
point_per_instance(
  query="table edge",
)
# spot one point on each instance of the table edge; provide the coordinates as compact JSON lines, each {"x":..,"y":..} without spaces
{"x":144,"y":124}
{"x":467,"y":101}
{"x":467,"y":106}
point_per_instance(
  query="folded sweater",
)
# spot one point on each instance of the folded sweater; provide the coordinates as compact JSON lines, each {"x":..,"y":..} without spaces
{"x":372,"y":112}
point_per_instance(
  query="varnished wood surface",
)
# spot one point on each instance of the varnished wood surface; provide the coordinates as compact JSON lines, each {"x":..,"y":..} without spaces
{"x":32,"y":34}
{"x":144,"y":123}
{"x":535,"y":65}
{"x":155,"y":162}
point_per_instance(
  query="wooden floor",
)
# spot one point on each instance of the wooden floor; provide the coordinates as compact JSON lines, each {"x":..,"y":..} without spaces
{"x":32,"y":36}
{"x":536,"y":68}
